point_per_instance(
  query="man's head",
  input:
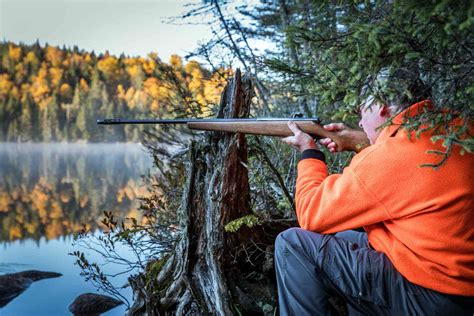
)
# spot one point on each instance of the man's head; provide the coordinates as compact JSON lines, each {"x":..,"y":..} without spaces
{"x":373,"y":114}
{"x":387,"y":94}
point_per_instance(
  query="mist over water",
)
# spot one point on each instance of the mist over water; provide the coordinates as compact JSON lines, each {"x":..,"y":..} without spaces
{"x":47,"y":191}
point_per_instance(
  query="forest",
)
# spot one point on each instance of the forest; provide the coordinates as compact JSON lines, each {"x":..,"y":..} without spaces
{"x":52,"y":94}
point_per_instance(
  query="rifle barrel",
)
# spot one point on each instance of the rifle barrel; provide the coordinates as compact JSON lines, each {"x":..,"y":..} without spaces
{"x":116,"y":121}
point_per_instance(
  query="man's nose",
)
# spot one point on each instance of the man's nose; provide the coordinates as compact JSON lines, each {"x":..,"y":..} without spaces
{"x":360,"y":124}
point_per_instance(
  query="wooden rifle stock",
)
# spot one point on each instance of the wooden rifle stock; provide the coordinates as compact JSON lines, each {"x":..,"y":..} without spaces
{"x":268,"y":128}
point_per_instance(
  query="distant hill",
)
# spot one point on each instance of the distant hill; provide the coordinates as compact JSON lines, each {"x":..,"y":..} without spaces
{"x":56,"y":94}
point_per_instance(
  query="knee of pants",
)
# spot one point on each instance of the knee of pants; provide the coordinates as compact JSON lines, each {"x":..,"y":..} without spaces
{"x":295,"y":236}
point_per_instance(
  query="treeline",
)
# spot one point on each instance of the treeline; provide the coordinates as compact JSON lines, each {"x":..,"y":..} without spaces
{"x":51,"y":94}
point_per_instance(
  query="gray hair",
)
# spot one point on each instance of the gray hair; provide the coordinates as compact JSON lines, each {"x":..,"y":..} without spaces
{"x":397,"y":88}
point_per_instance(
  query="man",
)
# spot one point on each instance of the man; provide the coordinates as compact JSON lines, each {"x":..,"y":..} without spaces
{"x":416,"y":256}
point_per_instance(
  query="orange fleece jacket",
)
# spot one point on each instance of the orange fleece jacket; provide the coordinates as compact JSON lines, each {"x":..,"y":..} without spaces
{"x":421,"y":218}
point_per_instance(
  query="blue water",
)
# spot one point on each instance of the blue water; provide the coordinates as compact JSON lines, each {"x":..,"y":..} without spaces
{"x":51,"y":296}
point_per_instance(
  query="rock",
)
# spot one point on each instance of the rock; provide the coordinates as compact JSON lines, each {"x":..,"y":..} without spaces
{"x":13,"y":284}
{"x":93,"y":304}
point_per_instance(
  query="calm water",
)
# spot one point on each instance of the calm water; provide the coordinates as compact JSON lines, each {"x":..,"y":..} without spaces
{"x":47,"y":191}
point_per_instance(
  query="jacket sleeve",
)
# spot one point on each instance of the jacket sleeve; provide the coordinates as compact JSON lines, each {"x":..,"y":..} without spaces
{"x":332,"y":203}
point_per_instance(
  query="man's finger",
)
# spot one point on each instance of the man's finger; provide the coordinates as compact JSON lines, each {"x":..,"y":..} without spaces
{"x":293,"y":127}
{"x":334,"y":126}
{"x":288,"y":140}
{"x":325,"y":141}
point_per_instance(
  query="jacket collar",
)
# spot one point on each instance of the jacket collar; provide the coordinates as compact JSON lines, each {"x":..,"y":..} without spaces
{"x":400,"y":118}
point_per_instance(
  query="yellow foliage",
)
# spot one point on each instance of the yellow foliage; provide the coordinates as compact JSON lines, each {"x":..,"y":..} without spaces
{"x":134,"y":70}
{"x":20,"y":72}
{"x":15,"y":92}
{"x":31,"y":227}
{"x":129,"y":192}
{"x":56,"y":211}
{"x":5,"y":201}
{"x":45,"y":102}
{"x":213,"y":88}
{"x":196,"y":80}
{"x":83,"y":84}
{"x":149,"y":66}
{"x":151,"y":87}
{"x":120,"y":92}
{"x":54,"y":56}
{"x":108,"y":66}
{"x":88,"y":58}
{"x":120,"y":195}
{"x":176,"y":61}
{"x":153,"y":55}
{"x":5,"y":85}
{"x":191,"y":66}
{"x":31,"y":59}
{"x":65,"y":90}
{"x":155,"y":106}
{"x":15,"y":232}
{"x":14,"y":53}
{"x":39,"y":89}
{"x":76,"y":59}
{"x":55,"y":74}
{"x":40,"y":200}
{"x":54,"y":230}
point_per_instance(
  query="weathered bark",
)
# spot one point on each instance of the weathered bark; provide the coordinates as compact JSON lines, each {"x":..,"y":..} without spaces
{"x":204,"y":274}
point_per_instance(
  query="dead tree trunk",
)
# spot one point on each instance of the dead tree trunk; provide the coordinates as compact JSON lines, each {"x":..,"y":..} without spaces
{"x":202,"y":275}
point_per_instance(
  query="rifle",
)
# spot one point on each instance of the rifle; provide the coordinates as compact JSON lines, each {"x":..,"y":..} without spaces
{"x":256,"y":126}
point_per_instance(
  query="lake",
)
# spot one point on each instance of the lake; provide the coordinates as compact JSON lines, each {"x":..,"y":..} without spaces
{"x":47,"y":192}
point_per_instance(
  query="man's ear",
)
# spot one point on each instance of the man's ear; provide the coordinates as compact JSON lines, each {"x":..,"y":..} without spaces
{"x":384,"y":111}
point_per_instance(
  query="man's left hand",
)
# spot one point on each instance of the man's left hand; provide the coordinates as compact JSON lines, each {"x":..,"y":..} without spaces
{"x":300,"y":140}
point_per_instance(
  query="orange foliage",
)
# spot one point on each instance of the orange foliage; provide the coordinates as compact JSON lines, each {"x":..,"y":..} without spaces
{"x":5,"y":201}
{"x":151,"y":87}
{"x":65,"y":90}
{"x":15,"y":232}
{"x":40,"y":89}
{"x":54,"y":230}
{"x":55,"y":74}
{"x":56,"y":211}
{"x":108,"y":66}
{"x":5,"y":85}
{"x":54,"y":56}
{"x":83,"y":84}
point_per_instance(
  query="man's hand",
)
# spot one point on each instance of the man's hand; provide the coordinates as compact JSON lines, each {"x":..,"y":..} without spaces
{"x":354,"y":140}
{"x":301,"y":141}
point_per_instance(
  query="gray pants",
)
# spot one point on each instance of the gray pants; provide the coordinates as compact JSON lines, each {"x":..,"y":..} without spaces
{"x":312,"y":267}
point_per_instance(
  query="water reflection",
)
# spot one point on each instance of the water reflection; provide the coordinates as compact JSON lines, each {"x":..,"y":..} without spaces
{"x":46,"y":192}
{"x":51,"y":189}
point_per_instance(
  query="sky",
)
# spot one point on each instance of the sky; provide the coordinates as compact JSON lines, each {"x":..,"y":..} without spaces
{"x":132,"y":27}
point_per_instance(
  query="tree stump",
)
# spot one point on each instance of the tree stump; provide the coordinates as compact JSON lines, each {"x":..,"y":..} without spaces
{"x":202,"y":275}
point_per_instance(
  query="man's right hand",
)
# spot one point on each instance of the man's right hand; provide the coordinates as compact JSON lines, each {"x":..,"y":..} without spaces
{"x":354,"y":140}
